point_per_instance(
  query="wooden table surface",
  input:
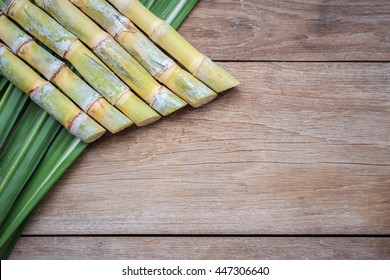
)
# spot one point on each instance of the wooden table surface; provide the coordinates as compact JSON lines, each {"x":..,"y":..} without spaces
{"x":294,"y":163}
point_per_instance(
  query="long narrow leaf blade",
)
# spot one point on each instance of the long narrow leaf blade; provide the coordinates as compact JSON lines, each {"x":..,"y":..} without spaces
{"x":61,"y":154}
{"x":22,"y":153}
{"x":174,"y":11}
{"x":6,"y":249}
{"x":182,"y":15}
{"x":3,"y":82}
{"x":12,"y":101}
{"x":149,"y":3}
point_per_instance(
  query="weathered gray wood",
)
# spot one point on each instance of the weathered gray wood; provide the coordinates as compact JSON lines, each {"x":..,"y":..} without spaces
{"x":313,"y":30}
{"x":298,"y":148}
{"x":200,"y":248}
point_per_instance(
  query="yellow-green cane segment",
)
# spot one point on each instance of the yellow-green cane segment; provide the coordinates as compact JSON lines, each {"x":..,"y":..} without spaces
{"x":48,"y":97}
{"x":67,"y":46}
{"x":104,"y":81}
{"x":59,"y":74}
{"x":171,"y":41}
{"x":157,"y":63}
{"x":116,"y":58}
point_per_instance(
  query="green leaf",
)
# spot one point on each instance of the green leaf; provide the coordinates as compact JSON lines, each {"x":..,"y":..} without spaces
{"x":6,"y":249}
{"x":22,"y":152}
{"x":148,"y":3}
{"x":182,"y":15}
{"x":174,"y":11}
{"x":61,"y":154}
{"x":12,"y":101}
{"x":63,"y":150}
{"x":3,"y":82}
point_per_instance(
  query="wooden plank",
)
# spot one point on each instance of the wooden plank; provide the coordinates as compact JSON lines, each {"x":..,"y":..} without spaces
{"x":200,"y":248}
{"x":298,"y":148}
{"x":290,"y":30}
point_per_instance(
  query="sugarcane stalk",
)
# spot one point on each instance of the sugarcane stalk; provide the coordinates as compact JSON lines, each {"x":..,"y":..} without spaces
{"x":67,"y":46}
{"x":48,"y":97}
{"x":62,"y":152}
{"x":157,"y":63}
{"x":59,"y":74}
{"x":121,"y":62}
{"x":172,"y":42}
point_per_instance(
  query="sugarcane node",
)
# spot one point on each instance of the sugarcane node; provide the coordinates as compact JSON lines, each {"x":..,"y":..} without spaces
{"x":19,"y":48}
{"x":2,"y":48}
{"x":74,"y":40}
{"x":204,"y":58}
{"x":59,"y":69}
{"x":166,"y":68}
{"x":127,"y":91}
{"x":101,"y":41}
{"x":104,"y":37}
{"x":94,"y":102}
{"x":32,"y":91}
{"x":124,"y":29}
{"x":155,"y":95}
{"x":158,"y":29}
{"x":5,"y":47}
{"x":129,"y":26}
{"x":71,"y":122}
{"x":9,"y":7}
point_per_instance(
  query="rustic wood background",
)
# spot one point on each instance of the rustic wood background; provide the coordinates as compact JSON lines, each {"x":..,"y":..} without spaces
{"x":294,"y":163}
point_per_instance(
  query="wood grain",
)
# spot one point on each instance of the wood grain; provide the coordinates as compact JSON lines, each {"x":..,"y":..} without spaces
{"x":200,"y":248}
{"x":290,"y":30}
{"x":298,"y":148}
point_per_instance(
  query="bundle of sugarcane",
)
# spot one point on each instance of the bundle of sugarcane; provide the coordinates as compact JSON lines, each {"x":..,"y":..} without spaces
{"x":67,"y":46}
{"x":157,"y":63}
{"x":171,"y":41}
{"x":134,"y":60}
{"x":121,"y":62}
{"x":59,"y":74}
{"x":112,"y":65}
{"x":54,"y":102}
{"x":48,"y":97}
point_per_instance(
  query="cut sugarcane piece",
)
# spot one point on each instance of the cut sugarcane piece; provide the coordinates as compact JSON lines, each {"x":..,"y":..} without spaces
{"x":67,"y":46}
{"x":172,"y":42}
{"x":117,"y":58}
{"x":157,"y":63}
{"x":109,"y":85}
{"x":48,"y":97}
{"x":59,"y":74}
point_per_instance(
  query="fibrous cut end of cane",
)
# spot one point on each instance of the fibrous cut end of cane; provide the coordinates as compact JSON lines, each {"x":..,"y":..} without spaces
{"x":215,"y":76}
{"x":166,"y":102}
{"x":156,"y":62}
{"x":109,"y":51}
{"x":57,"y":72}
{"x":173,"y":43}
{"x":83,"y":128}
{"x":123,"y":60}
